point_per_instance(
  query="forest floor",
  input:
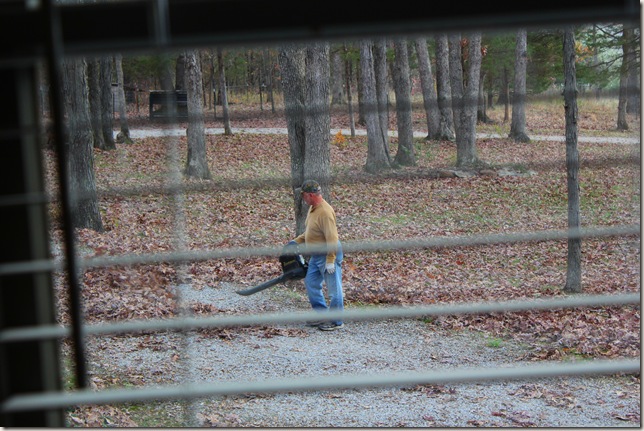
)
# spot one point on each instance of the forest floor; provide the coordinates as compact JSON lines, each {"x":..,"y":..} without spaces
{"x":404,"y":204}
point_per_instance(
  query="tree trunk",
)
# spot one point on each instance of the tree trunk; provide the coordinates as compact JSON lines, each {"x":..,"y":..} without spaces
{"x":80,"y":146}
{"x":444,"y":90}
{"x":430,"y":102}
{"x":517,"y":127}
{"x":269,"y":76}
{"x":377,"y":157}
{"x":465,"y":97}
{"x":573,"y":275}
{"x":94,"y":98}
{"x":481,"y":108}
{"x":107,"y":102}
{"x":167,"y":82}
{"x":197,"y":162}
{"x":180,"y":73}
{"x":120,"y":100}
{"x":306,"y":80}
{"x":337,"y":78}
{"x":292,"y":61}
{"x":361,"y":108}
{"x":405,"y":156}
{"x":504,"y":95}
{"x":630,"y":55}
{"x":382,"y":90}
{"x":317,"y":154}
{"x":224,"y":92}
{"x":622,"y":122}
{"x":349,"y":78}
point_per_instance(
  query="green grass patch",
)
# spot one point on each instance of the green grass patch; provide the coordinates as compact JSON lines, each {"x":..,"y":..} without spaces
{"x":494,"y":343}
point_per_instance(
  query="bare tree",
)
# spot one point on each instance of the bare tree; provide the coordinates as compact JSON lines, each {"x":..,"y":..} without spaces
{"x":223,"y":91}
{"x":305,"y":79}
{"x":518,"y":124}
{"x":348,"y":64}
{"x":625,"y":77}
{"x":197,"y":162}
{"x":124,"y":134}
{"x":94,"y":98}
{"x":633,"y":106}
{"x":107,"y":102}
{"x":337,"y":77}
{"x":377,"y":153}
{"x":573,"y":275}
{"x":80,"y":147}
{"x":317,"y":155}
{"x":292,"y":61}
{"x":443,"y":89}
{"x":465,"y":89}
{"x":405,"y":155}
{"x":180,"y":72}
{"x":430,"y":102}
{"x":382,"y":89}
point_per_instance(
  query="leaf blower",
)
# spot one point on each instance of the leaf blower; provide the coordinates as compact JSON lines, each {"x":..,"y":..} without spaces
{"x":294,"y":267}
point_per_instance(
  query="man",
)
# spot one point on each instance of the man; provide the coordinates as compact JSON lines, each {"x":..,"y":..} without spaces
{"x":321,"y":230}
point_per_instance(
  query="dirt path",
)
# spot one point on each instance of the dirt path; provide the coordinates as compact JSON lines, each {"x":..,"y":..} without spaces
{"x":156,"y":132}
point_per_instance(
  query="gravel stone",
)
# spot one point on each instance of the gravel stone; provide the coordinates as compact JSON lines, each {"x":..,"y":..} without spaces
{"x":360,"y":348}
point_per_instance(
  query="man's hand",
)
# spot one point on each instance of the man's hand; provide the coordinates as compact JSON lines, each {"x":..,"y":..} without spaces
{"x":330,"y":268}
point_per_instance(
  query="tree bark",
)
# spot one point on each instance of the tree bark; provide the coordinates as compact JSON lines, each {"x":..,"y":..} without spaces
{"x":197,"y":162}
{"x":292,"y":61}
{"x":505,"y":92}
{"x":361,"y":108}
{"x":317,"y":154}
{"x":481,"y":107}
{"x":120,"y":100}
{"x":382,"y":89}
{"x":405,"y":156}
{"x":465,"y":97}
{"x":224,"y":92}
{"x":444,"y":90}
{"x":180,"y":73}
{"x":94,"y":98}
{"x":573,"y":274}
{"x":107,"y":102}
{"x":622,"y":121}
{"x":349,"y":78}
{"x":80,"y":146}
{"x":518,"y":124}
{"x":430,"y":101}
{"x":377,"y":157}
{"x":337,"y":78}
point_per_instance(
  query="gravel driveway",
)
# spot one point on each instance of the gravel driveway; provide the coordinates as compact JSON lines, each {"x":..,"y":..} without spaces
{"x":361,"y":348}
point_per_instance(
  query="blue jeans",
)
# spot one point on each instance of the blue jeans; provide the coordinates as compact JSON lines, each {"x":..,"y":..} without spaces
{"x":316,"y":275}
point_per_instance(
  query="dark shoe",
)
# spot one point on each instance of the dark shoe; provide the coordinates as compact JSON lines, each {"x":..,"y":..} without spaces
{"x":330,"y":326}
{"x":314,"y":323}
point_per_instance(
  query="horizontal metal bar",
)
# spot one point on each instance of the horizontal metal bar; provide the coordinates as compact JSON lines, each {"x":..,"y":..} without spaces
{"x":187,"y":324}
{"x":349,"y":246}
{"x":25,"y":199}
{"x":362,"y":246}
{"x":194,"y":390}
{"x":31,"y":266}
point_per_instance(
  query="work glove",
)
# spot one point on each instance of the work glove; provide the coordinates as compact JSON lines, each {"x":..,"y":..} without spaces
{"x":330,"y":268}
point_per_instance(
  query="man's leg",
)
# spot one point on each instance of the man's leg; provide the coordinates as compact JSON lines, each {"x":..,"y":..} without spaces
{"x":313,"y":282}
{"x":334,"y":286}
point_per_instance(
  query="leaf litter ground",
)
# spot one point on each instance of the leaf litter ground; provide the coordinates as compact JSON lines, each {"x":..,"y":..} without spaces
{"x":406,"y":203}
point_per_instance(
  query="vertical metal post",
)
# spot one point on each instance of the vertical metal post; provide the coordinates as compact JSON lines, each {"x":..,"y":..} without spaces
{"x":26,"y":299}
{"x":54,"y":59}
